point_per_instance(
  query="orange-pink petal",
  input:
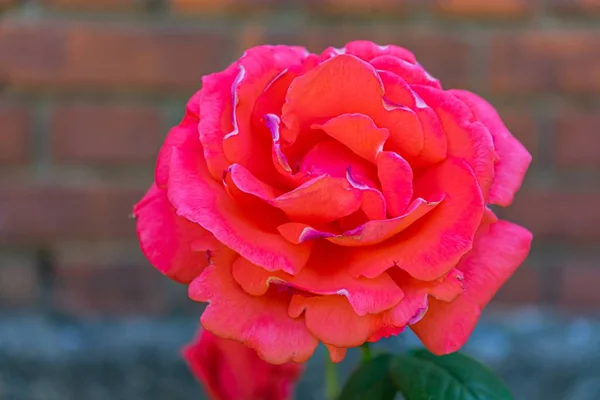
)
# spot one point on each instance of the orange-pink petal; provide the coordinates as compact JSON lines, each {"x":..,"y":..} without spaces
{"x":431,"y":247}
{"x":467,"y":140}
{"x":358,"y":133}
{"x":325,"y":274}
{"x":246,"y":144}
{"x":177,"y":247}
{"x":513,"y":159}
{"x":498,"y":251}
{"x":259,"y":322}
{"x":343,"y":85}
{"x":395,"y":176}
{"x":412,"y":73}
{"x":202,"y":200}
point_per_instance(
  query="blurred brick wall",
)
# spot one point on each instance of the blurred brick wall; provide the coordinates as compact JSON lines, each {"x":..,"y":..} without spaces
{"x":88,"y":89}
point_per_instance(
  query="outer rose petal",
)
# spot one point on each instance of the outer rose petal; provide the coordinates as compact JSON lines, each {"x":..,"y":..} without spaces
{"x":257,"y":68}
{"x":411,"y":73}
{"x":367,"y":50}
{"x":470,"y":141}
{"x":170,"y":242}
{"x":498,"y":250}
{"x":431,"y":247}
{"x":176,"y":137}
{"x":201,"y":199}
{"x":513,"y":158}
{"x":230,"y":371}
{"x":325,"y":274}
{"x":216,"y":108}
{"x":333,"y":321}
{"x":259,"y":322}
{"x":342,"y":85}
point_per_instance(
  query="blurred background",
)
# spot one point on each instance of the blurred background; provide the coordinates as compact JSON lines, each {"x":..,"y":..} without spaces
{"x":89,"y":88}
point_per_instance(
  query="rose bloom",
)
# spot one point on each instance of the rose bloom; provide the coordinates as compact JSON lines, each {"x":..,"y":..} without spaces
{"x":230,"y":371}
{"x":335,"y":198}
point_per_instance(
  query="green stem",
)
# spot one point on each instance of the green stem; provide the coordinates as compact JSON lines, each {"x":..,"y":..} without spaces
{"x":365,"y":351}
{"x":332,"y":388}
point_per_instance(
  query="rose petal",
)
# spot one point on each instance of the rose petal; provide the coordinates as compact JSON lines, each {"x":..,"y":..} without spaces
{"x":336,"y":354}
{"x":202,"y":200}
{"x":333,"y":321}
{"x":415,"y":303}
{"x":434,"y":138}
{"x":357,"y":132}
{"x":257,"y":68}
{"x":170,"y":242}
{"x":470,"y":141}
{"x":367,"y":50}
{"x":374,"y":232}
{"x":395,"y":176}
{"x":261,"y":323}
{"x":412,"y":73}
{"x":325,"y":274}
{"x":215,"y":121}
{"x":343,"y":85}
{"x":230,"y":371}
{"x":498,"y":250}
{"x":432,"y":246}
{"x":320,"y":200}
{"x":284,"y":171}
{"x":176,"y":137}
{"x":513,"y":158}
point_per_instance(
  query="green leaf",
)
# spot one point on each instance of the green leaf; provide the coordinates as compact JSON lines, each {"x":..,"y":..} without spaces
{"x":372,"y":380}
{"x":425,"y":376}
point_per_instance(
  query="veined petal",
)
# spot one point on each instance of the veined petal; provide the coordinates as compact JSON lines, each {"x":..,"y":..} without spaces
{"x":412,"y":73}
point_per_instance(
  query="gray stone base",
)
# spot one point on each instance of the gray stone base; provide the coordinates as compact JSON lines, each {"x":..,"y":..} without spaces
{"x":542,"y":356}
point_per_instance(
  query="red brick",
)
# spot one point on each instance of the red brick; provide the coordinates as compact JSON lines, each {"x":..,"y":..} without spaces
{"x":479,"y":8}
{"x":221,"y":6}
{"x":358,"y":6}
{"x":108,"y":134}
{"x":48,"y":213}
{"x":106,"y":280}
{"x":522,"y":125}
{"x":524,"y":287}
{"x":580,"y":286}
{"x":14,"y":134}
{"x":97,"y":5}
{"x":19,"y":285}
{"x":581,"y":7}
{"x":104,"y":56}
{"x":578,"y":140}
{"x":4,"y":4}
{"x":546,"y":61}
{"x":563,"y":214}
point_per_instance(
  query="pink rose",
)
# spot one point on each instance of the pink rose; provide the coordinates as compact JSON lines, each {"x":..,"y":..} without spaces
{"x":335,"y":198}
{"x":230,"y":371}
